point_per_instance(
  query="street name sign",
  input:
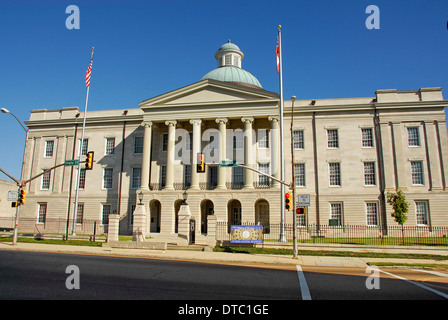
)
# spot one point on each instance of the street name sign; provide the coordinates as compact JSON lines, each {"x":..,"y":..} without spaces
{"x":69,"y":163}
{"x":228,"y":163}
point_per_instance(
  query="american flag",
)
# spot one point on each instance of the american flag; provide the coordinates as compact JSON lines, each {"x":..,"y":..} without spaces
{"x":277,"y":53}
{"x":89,"y":71}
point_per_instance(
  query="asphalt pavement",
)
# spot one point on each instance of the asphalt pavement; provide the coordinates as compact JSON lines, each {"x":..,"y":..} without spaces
{"x":218,"y":257}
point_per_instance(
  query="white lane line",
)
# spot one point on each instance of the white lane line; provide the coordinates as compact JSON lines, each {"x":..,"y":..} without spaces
{"x":444,"y":295}
{"x":440,"y":274}
{"x":303,"y":285}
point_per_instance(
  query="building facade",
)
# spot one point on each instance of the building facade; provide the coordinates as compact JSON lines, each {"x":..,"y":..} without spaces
{"x":348,"y":153}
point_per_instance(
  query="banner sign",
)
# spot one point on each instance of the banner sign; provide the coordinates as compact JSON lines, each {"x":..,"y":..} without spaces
{"x":246,"y":234}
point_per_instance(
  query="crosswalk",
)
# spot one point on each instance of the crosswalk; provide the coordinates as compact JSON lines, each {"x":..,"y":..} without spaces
{"x":373,"y":271}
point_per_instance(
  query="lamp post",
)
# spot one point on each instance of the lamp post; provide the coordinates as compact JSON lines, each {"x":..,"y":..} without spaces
{"x":185,"y":197}
{"x":140,"y":197}
{"x":16,"y":218}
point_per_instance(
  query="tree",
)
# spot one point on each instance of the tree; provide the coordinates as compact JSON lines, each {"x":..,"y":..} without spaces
{"x":400,"y":208}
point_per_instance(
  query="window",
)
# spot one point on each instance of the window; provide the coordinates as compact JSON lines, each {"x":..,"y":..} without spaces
{"x":336,"y":213}
{"x":301,"y":220}
{"x":46,"y":180}
{"x":136,"y":178}
{"x":263,"y":139}
{"x":413,"y":137}
{"x":82,"y":179}
{"x":238,"y":140}
{"x":107,"y":178}
{"x":106,"y":213}
{"x":335,"y":173}
{"x":187,"y":175}
{"x":80,"y":213}
{"x":85,"y":146}
{"x":417,"y":172}
{"x":162,"y":176}
{"x":138,"y":145}
{"x":42,"y":214}
{"x":237,"y":176}
{"x":333,"y":140}
{"x":236,"y":61}
{"x":110,"y":145}
{"x":228,"y":59}
{"x":298,"y":141}
{"x":299,"y":174}
{"x":165,"y":142}
{"x":367,"y":137}
{"x":369,"y":174}
{"x":372,"y":213}
{"x":49,"y":146}
{"x":421,"y":209}
{"x":262,"y":179}
{"x":189,"y":142}
{"x":213,"y":176}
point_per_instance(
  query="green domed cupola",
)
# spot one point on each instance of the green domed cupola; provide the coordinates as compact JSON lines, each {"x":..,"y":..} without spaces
{"x":229,"y":58}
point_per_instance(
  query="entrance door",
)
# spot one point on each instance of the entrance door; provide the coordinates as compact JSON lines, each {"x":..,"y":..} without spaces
{"x":155,"y":216}
{"x":234,"y":212}
{"x":236,"y":216}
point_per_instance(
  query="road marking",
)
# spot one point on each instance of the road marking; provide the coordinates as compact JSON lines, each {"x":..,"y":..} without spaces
{"x":440,"y":274}
{"x":444,"y":295}
{"x":303,"y":285}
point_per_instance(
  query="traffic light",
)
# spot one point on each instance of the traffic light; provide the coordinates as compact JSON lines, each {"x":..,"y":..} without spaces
{"x":89,"y":160}
{"x":13,"y":204}
{"x":300,"y":210}
{"x":201,"y":163}
{"x":288,"y":201}
{"x":22,"y":197}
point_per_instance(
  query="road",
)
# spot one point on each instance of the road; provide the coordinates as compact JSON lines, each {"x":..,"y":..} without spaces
{"x":32,"y":275}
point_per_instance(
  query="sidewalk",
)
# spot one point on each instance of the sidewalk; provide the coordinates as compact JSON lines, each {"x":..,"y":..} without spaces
{"x":212,"y":257}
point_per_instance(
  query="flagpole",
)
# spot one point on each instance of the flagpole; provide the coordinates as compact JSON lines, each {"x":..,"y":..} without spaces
{"x":282,"y":158}
{"x":81,"y":144}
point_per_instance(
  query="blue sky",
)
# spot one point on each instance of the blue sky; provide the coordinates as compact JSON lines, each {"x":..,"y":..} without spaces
{"x":146,"y":48}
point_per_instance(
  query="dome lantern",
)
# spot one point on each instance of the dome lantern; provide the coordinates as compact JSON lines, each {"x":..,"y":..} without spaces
{"x":229,"y":69}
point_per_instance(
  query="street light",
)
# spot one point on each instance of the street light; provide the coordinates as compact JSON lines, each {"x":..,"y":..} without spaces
{"x":185,"y":197}
{"x":4,"y":110}
{"x":16,"y":218}
{"x":140,"y":197}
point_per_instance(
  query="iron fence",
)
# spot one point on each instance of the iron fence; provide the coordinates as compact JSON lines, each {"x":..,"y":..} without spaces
{"x":350,"y":234}
{"x":54,"y":226}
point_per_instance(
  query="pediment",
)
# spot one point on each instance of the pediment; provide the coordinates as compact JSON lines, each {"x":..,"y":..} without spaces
{"x":209,"y":92}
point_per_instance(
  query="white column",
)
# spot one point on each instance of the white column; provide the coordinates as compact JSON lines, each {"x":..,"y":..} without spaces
{"x":196,"y":148}
{"x":248,"y":174}
{"x":169,"y":185}
{"x":146,"y":159}
{"x":222,"y":153}
{"x":275,"y":150}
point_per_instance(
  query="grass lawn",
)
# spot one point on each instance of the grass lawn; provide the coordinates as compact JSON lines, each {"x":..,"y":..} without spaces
{"x":53,"y":241}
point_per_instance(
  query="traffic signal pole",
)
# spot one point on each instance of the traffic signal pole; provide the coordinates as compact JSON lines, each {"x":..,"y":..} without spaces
{"x":293,"y":184}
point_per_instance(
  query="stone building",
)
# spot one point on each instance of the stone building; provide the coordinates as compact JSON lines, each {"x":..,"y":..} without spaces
{"x":348,"y":153}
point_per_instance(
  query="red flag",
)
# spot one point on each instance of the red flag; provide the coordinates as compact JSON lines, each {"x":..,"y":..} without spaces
{"x":277,"y":52}
{"x":89,"y":71}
